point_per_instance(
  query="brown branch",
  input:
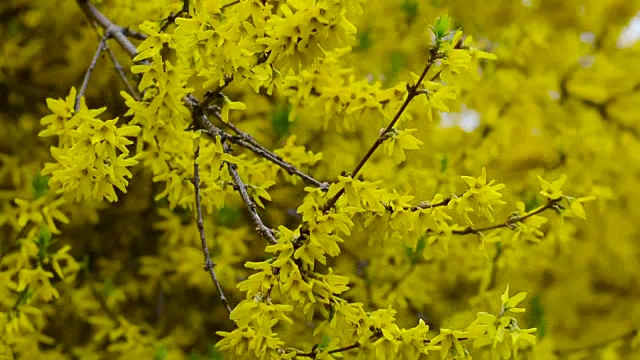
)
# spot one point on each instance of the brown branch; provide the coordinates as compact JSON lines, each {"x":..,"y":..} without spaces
{"x":312,"y":354}
{"x":117,"y":32}
{"x":229,"y":4}
{"x":509,"y":222}
{"x":242,"y":139}
{"x":112,"y":30}
{"x":427,"y":205}
{"x":242,"y":189}
{"x":123,"y":76}
{"x":87,"y":75}
{"x":246,"y":141}
{"x":134,"y":34}
{"x":209,"y":265}
{"x":213,"y":131}
{"x":172,"y":17}
{"x":412,"y":92}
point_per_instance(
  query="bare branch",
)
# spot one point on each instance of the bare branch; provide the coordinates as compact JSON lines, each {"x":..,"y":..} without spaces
{"x":172,"y":17}
{"x":87,"y":75}
{"x":134,"y":34}
{"x":412,"y":92}
{"x":213,"y":131}
{"x":509,"y":222}
{"x":242,"y":140}
{"x":123,"y":76}
{"x":246,"y":141}
{"x":112,"y":30}
{"x":242,"y":189}
{"x":209,"y":265}
{"x":229,"y":5}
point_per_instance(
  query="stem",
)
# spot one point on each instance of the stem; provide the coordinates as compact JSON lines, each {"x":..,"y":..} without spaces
{"x":87,"y":75}
{"x":209,"y":265}
{"x":508,"y":222}
{"x":412,"y":92}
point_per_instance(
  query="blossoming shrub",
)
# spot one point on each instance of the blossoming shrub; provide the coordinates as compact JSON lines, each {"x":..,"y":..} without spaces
{"x":318,"y":179}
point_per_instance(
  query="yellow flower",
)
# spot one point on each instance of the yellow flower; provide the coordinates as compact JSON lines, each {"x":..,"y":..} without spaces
{"x":552,"y":190}
{"x":399,"y":141}
{"x":510,"y":303}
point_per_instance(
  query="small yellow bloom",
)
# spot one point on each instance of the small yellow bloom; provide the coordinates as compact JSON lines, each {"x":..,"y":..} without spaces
{"x":552,"y":190}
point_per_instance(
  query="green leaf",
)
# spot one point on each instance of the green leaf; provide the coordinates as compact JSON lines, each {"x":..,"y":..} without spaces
{"x":161,"y":353}
{"x":537,"y":317}
{"x":441,"y":26}
{"x":444,"y":162}
{"x":398,"y":61}
{"x":410,"y":7}
{"x":228,"y":216}
{"x":324,"y":342}
{"x":364,"y":39}
{"x":414,"y":255}
{"x":109,"y":287}
{"x":280,"y":119}
{"x":43,"y":241}
{"x":422,"y":244}
{"x":214,"y":353}
{"x":531,"y":203}
{"x":40,"y":184}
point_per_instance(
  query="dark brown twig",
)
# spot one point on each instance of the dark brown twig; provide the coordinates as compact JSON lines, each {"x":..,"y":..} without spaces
{"x":172,"y":17}
{"x":412,"y":92}
{"x":312,"y":354}
{"x":229,"y":4}
{"x":509,"y":222}
{"x":243,"y":139}
{"x":246,"y":141}
{"x":209,"y":265}
{"x":213,"y":131}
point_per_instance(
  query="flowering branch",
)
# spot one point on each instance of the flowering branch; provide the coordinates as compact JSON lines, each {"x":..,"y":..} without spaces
{"x":209,"y":265}
{"x":509,"y":222}
{"x":243,"y":139}
{"x":172,"y":17}
{"x":203,"y":121}
{"x":248,"y":142}
{"x":117,"y":32}
{"x":412,"y":92}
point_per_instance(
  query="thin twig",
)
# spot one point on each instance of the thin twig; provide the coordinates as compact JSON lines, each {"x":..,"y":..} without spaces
{"x":94,"y":13}
{"x":209,"y":265}
{"x":172,"y":17}
{"x":427,"y":205}
{"x":509,"y":222}
{"x":87,"y":75}
{"x":214,"y":131}
{"x":412,"y":92}
{"x":123,"y":76}
{"x":242,"y":189}
{"x":21,"y":298}
{"x":115,"y":31}
{"x":134,"y":34}
{"x":246,"y":141}
{"x":229,"y":4}
{"x":313,"y":353}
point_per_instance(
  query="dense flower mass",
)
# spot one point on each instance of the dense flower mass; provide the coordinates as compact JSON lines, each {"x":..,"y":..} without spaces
{"x":318,"y":179}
